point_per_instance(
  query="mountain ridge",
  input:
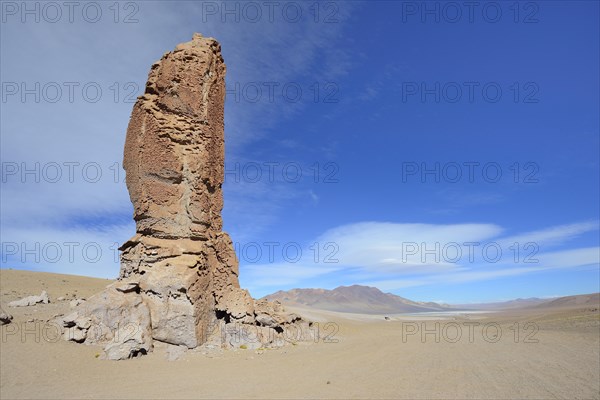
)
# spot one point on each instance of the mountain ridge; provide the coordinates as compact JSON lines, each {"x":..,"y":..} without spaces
{"x":354,"y":298}
{"x":371,"y":300}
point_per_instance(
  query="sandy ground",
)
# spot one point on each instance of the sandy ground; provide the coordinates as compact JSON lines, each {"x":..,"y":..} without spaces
{"x":525,"y":354}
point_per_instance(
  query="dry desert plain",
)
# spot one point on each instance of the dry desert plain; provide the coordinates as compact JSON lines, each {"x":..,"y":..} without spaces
{"x":541,"y":353}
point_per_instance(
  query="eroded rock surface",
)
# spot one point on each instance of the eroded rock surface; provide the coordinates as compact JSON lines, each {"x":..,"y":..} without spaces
{"x":179,"y":274}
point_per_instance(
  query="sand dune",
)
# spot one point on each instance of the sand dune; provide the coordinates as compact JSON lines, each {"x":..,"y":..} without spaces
{"x":535,"y":353}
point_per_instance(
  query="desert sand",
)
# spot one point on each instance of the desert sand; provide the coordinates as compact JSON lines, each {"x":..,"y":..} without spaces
{"x":554,"y":355}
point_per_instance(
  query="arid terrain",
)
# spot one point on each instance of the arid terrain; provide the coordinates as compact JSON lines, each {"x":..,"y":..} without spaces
{"x":537,"y":352}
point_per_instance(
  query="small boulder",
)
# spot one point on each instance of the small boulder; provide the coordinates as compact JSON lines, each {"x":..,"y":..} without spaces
{"x":31,"y":300}
{"x":5,"y":318}
{"x":75,"y":334}
{"x":83,"y":322}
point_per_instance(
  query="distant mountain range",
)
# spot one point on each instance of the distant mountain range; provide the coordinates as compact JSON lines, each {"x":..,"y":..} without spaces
{"x":534,"y":302}
{"x":504,"y":305}
{"x":354,"y":299}
{"x":370,"y":300}
{"x":582,"y":300}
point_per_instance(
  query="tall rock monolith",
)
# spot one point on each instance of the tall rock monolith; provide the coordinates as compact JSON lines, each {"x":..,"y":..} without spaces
{"x":178,"y":281}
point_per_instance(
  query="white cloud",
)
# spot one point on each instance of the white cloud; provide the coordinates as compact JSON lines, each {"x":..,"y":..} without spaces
{"x":552,"y":236}
{"x":567,"y":259}
{"x":370,"y":253}
{"x":390,"y":247}
{"x":570,"y":258}
{"x":90,"y":250}
{"x":284,"y":274}
{"x":85,"y":132}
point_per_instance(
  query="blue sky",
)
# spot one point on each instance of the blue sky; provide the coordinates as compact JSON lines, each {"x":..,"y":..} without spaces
{"x":398,"y":146}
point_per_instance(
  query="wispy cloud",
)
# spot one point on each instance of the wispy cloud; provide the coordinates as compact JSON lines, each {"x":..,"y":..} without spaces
{"x":394,"y":256}
{"x":553,"y":236}
{"x":566,"y":259}
{"x":396,"y":247}
{"x":35,"y":135}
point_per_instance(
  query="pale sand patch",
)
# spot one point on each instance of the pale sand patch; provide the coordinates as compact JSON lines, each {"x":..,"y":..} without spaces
{"x":369,"y":360}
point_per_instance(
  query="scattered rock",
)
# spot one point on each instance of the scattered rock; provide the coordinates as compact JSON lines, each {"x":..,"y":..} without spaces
{"x":74,"y":334}
{"x":31,"y":300}
{"x":61,"y":298}
{"x":5,"y":318}
{"x":83,"y":322}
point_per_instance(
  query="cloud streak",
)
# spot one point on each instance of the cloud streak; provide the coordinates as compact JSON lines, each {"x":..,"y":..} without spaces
{"x":375,"y":254}
{"x":36,"y":134}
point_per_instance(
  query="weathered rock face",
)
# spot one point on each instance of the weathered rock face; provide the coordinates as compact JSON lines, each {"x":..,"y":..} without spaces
{"x":174,"y":151}
{"x":179,"y":274}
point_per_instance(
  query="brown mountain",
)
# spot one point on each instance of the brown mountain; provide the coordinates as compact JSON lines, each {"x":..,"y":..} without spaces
{"x":370,"y":300}
{"x":503,"y":305}
{"x":581,"y":300}
{"x":353,"y":299}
